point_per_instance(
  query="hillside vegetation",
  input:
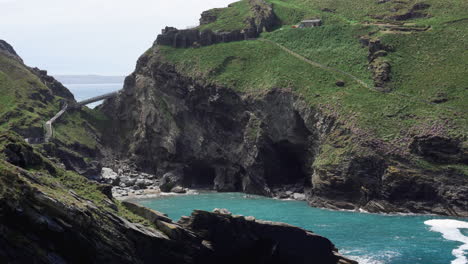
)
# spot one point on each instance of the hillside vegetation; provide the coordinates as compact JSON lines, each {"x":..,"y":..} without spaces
{"x":427,"y":54}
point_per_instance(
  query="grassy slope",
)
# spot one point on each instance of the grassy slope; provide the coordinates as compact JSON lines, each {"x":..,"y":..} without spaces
{"x":20,"y":108}
{"x":231,"y":18}
{"x":17,"y":84}
{"x":56,"y":184}
{"x":424,"y":65}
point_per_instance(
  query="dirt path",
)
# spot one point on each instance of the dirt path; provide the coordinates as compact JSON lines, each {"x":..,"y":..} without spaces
{"x":316,"y":64}
{"x":359,"y":81}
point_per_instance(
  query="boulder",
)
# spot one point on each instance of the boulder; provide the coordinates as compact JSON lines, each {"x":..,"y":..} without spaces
{"x":340,"y":83}
{"x":299,"y":196}
{"x":178,"y":189}
{"x":170,"y":180}
{"x":109,"y":176}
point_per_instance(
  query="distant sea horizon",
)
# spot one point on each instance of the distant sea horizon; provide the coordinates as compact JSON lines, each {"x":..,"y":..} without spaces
{"x":90,"y":85}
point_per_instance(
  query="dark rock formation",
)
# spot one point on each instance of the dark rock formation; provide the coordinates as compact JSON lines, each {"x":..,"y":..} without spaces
{"x":42,"y":220}
{"x":263,"y":19}
{"x":55,"y":86}
{"x":262,"y":242}
{"x":8,"y":50}
{"x":208,"y":17}
{"x":207,"y":136}
{"x":440,"y":150}
{"x":380,"y":67}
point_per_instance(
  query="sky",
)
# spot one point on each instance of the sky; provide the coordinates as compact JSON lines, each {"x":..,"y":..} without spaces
{"x":103,"y":37}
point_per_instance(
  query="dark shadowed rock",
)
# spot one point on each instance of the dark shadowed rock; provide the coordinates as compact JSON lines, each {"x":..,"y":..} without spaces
{"x":440,"y":149}
{"x":237,"y":239}
{"x":56,"y":87}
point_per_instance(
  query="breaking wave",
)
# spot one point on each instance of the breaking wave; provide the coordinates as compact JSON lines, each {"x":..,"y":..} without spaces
{"x":450,"y":230}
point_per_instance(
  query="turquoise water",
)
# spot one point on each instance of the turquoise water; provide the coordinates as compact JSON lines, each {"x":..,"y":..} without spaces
{"x":367,"y":238}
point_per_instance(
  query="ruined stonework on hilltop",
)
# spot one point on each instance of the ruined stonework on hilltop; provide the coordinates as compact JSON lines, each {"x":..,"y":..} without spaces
{"x":262,"y":19}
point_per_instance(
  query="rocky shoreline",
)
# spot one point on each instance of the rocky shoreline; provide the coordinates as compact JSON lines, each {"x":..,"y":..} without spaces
{"x":129,"y":184}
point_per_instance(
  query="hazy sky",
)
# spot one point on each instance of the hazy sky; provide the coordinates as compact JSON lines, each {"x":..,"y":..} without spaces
{"x":92,"y":36}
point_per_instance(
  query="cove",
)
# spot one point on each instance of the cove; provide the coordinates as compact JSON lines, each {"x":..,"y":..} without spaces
{"x":367,"y":238}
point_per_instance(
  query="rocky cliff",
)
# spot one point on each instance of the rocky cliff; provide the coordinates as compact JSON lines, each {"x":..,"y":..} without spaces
{"x":196,"y":134}
{"x":48,"y":215}
{"x":51,"y":214}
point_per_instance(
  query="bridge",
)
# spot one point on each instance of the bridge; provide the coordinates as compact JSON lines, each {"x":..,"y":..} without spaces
{"x":94,"y":99}
{"x":49,"y":132}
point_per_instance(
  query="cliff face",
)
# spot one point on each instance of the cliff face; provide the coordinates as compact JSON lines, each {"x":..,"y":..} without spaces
{"x":48,"y":215}
{"x":197,"y":134}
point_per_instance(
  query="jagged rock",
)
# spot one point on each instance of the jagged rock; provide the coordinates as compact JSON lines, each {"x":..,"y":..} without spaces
{"x":381,"y":70}
{"x":272,"y":242}
{"x":170,"y":180}
{"x":56,"y":87}
{"x":126,"y":181}
{"x":150,"y":214}
{"x":439,"y":149}
{"x":109,"y":176}
{"x":9,"y":51}
{"x":208,"y":17}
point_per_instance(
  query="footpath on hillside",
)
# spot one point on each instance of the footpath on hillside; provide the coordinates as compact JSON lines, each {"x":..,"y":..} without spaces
{"x":359,"y":81}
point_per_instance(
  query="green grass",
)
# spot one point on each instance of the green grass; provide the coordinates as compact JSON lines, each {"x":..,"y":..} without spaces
{"x":17,"y":88}
{"x":230,"y":18}
{"x":26,"y":104}
{"x":424,"y":65}
{"x":432,"y":62}
{"x":81,"y":127}
{"x":332,"y":45}
{"x":56,"y":183}
{"x":292,"y":11}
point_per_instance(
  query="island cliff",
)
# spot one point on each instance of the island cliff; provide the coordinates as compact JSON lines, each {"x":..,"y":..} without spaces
{"x":226,"y":116}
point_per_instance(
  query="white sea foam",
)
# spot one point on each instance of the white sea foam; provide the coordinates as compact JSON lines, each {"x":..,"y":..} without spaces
{"x":450,"y":230}
{"x":382,"y":257}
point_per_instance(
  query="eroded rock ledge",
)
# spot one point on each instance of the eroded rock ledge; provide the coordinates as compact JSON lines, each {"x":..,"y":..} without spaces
{"x":238,"y":239}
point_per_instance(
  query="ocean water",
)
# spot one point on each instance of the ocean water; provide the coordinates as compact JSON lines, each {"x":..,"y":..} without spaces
{"x":367,"y":238}
{"x":87,"y":86}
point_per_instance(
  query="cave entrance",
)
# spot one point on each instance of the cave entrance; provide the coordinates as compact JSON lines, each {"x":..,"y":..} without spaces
{"x":199,"y":175}
{"x":285,"y":163}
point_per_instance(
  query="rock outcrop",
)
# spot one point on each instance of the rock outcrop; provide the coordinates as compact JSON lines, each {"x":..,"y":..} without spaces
{"x":266,"y":242}
{"x":378,"y":65}
{"x":263,"y":19}
{"x":9,"y":51}
{"x":56,"y":87}
{"x":271,"y":143}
